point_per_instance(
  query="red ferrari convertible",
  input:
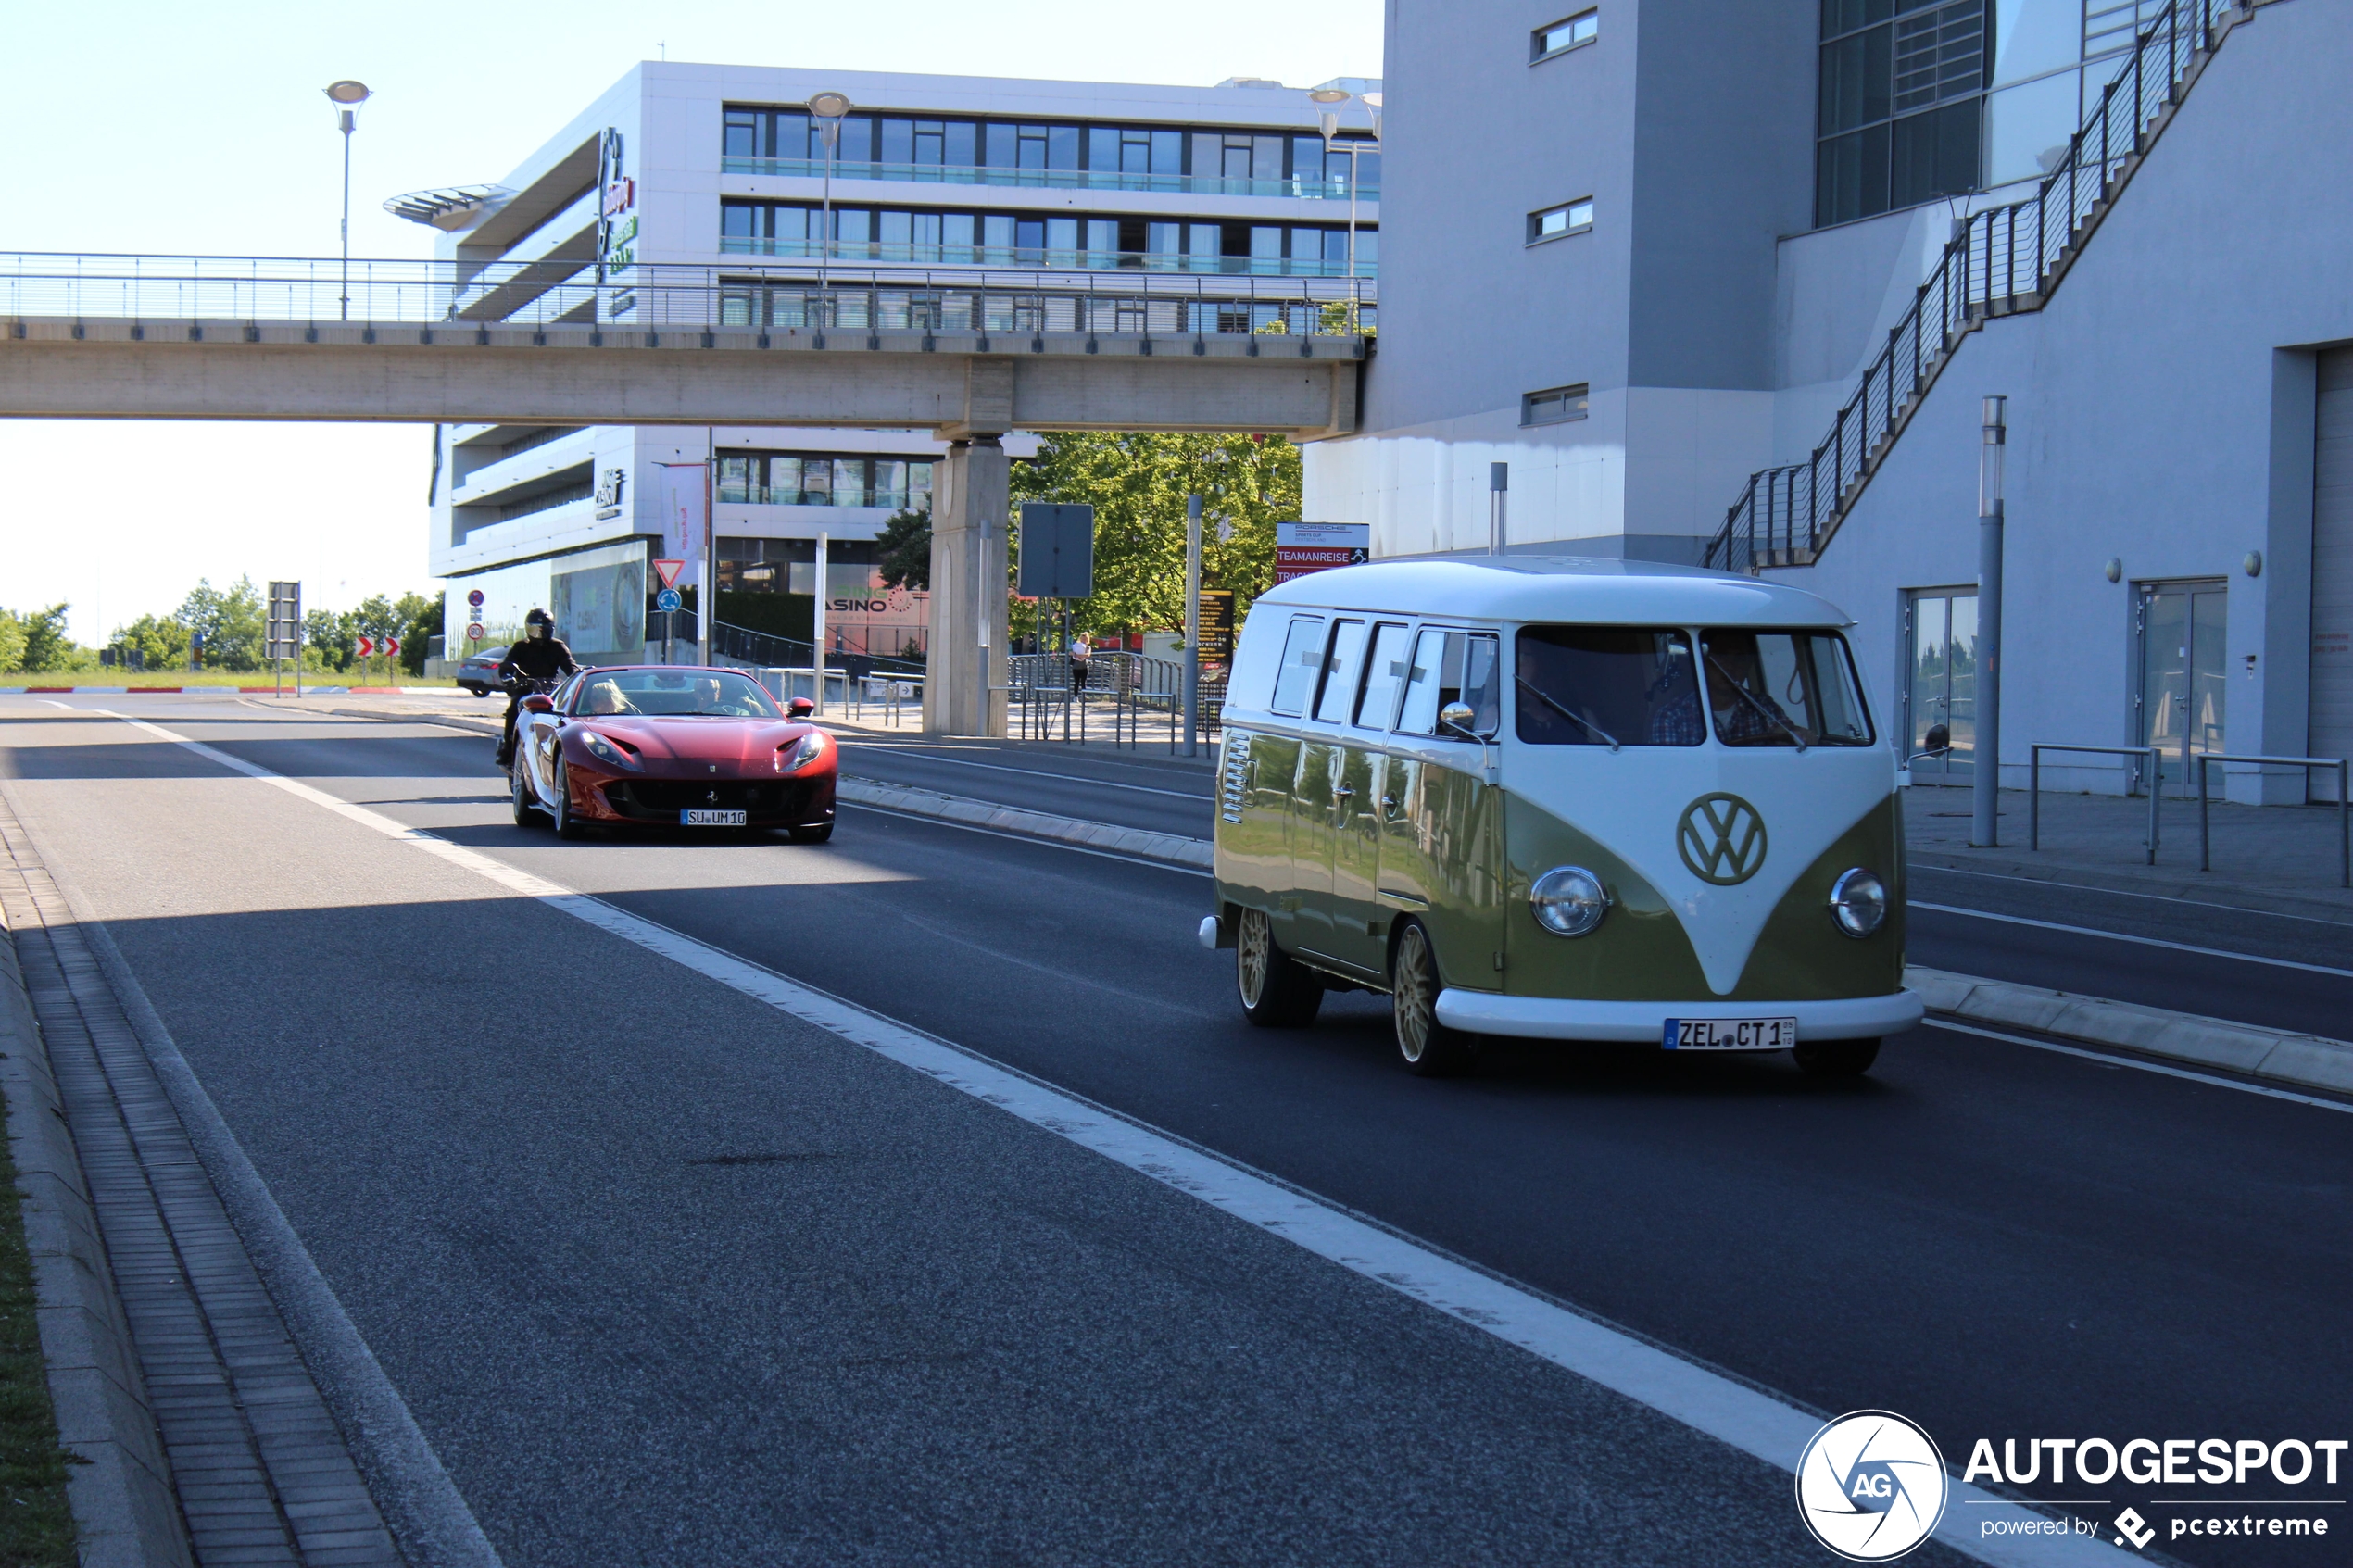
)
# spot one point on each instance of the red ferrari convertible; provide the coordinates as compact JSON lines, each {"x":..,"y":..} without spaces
{"x":642,"y":746}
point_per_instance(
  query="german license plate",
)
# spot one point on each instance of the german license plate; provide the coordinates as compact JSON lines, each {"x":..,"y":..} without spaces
{"x":695,"y":819}
{"x":1730,"y":1033}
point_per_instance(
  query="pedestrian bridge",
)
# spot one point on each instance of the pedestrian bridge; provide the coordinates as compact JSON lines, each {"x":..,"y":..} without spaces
{"x":962,"y":352}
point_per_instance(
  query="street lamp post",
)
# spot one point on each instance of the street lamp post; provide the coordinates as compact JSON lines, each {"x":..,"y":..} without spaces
{"x":828,"y":109}
{"x":1985,"y":827}
{"x":347,"y":96}
{"x":1330,"y":122}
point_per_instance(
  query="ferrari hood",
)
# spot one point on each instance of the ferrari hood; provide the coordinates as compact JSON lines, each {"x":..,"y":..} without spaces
{"x":727,"y":742}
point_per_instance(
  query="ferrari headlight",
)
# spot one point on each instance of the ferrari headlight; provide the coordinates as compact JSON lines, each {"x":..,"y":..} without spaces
{"x":1858,"y":902}
{"x":1569,"y":900}
{"x":606,"y":752}
{"x":792,"y":758}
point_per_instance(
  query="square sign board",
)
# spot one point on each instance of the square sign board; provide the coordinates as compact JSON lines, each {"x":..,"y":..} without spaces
{"x":1057,"y":551}
{"x":1303,"y":547}
{"x":283,"y":636}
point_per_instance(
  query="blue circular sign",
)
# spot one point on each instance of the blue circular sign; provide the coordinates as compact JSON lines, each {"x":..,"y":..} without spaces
{"x":667,"y":600}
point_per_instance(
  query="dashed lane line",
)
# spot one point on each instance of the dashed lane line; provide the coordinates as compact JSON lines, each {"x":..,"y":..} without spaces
{"x":1748,"y":1418}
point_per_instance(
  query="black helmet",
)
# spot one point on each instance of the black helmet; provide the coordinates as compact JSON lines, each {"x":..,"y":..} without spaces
{"x":539,"y":617}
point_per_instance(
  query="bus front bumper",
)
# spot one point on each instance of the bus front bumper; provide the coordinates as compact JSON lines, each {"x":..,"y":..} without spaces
{"x":1549,"y":1018}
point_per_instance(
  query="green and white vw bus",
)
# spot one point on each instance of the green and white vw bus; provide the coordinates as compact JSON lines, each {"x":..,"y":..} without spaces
{"x":1560,"y":799}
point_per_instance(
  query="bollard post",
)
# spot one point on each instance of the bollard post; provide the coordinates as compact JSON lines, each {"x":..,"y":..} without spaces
{"x":1192,"y":625}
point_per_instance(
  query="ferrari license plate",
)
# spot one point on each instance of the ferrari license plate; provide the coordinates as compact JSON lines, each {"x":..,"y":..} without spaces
{"x":1730,"y":1033}
{"x":695,"y":819}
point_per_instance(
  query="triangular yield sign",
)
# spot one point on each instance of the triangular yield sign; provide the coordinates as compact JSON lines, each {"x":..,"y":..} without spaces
{"x":668,"y":571}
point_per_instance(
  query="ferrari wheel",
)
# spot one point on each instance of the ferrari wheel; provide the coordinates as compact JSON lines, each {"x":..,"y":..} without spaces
{"x":567,"y":825}
{"x":817,"y":835}
{"x":526,"y":810}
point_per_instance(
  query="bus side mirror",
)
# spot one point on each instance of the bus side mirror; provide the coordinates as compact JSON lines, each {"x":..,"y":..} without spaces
{"x":1458,"y":717}
{"x":1938,"y":741}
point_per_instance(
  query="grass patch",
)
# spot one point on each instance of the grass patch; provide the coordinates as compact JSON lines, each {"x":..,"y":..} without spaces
{"x":36,"y":1525}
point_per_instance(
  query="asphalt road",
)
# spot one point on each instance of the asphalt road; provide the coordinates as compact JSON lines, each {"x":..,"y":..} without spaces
{"x":666,"y":1278}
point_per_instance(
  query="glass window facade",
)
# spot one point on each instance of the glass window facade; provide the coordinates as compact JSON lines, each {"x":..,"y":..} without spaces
{"x":757,"y":140}
{"x":1565,"y":35}
{"x":1900,"y":112}
{"x":1569,"y":217}
{"x":944,"y":238}
{"x":802,"y":479}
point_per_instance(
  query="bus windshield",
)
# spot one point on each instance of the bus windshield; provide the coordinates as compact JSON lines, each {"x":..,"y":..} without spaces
{"x":1783,"y":688}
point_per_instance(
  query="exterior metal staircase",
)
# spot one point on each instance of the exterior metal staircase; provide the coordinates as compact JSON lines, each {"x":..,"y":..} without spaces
{"x":2003,"y":261}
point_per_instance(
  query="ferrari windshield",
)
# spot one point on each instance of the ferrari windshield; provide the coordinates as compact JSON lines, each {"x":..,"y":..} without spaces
{"x":680,"y":694}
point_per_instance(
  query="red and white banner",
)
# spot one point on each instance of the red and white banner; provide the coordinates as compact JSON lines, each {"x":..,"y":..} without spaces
{"x":1303,"y":547}
{"x":686,"y":524}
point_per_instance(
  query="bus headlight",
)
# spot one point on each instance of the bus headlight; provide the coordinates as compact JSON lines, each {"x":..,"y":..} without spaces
{"x":1858,"y":902}
{"x":1569,"y":900}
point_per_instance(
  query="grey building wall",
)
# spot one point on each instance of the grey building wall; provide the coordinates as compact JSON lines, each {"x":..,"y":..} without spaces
{"x":2161,"y":415}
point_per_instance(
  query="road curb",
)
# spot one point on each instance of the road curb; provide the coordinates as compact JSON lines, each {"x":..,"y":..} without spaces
{"x":1193,"y":854}
{"x":2276,"y":1055}
{"x":124,"y":1510}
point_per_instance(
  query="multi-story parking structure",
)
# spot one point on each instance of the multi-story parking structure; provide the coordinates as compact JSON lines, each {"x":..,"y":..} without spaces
{"x":708,"y":194}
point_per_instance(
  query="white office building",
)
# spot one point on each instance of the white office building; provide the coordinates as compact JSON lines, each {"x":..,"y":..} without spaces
{"x":936,"y":183}
{"x":1726,"y":280}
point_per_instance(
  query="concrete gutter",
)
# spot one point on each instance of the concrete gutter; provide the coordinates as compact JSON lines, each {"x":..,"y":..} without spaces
{"x":125,"y":1514}
{"x":2308,"y":1060}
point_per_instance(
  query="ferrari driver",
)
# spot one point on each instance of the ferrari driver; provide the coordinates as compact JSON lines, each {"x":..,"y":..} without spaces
{"x":541,"y":656}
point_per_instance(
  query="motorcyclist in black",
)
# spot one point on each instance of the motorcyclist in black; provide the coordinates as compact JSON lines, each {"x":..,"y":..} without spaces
{"x":541,"y":656}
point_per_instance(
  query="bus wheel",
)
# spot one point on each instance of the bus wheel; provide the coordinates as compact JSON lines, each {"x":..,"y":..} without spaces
{"x":1430,"y":1050}
{"x":1836,"y":1059}
{"x":1278,"y":991}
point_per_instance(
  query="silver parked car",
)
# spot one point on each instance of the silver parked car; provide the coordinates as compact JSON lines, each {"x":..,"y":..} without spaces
{"x":479,"y":673}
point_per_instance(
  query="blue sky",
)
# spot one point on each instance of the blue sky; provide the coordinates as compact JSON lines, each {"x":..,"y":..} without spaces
{"x":180,"y":129}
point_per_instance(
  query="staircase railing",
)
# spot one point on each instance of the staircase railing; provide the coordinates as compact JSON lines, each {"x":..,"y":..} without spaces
{"x":2000,"y":262}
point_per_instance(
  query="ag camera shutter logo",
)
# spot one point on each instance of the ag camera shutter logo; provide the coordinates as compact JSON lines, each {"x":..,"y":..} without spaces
{"x":1871,"y":1485}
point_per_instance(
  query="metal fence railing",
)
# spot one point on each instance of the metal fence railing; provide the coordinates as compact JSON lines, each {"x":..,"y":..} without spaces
{"x":2035,"y":785}
{"x":1053,"y":697}
{"x":759,"y":296}
{"x":1999,"y":261}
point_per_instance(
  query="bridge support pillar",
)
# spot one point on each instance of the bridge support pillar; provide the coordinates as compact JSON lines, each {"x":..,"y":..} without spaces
{"x":968,"y":592}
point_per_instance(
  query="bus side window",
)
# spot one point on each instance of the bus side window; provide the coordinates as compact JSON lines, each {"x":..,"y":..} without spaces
{"x":1451,"y":667}
{"x":1302,"y":660}
{"x":1340,"y":670}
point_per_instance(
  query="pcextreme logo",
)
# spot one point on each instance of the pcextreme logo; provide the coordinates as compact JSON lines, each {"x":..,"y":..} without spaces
{"x":1871,"y":1485}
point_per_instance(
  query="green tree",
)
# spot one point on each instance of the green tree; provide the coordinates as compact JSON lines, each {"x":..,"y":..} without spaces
{"x":42,"y":645}
{"x":11,"y":641}
{"x":162,"y":641}
{"x":231,"y":623}
{"x":421,"y":619}
{"x":1138,"y":483}
{"x":904,"y":546}
{"x":330,"y":639}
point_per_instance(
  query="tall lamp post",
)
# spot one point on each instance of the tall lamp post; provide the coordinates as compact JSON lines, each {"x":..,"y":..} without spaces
{"x":347,"y":96}
{"x":828,"y":109}
{"x":1329,"y":122}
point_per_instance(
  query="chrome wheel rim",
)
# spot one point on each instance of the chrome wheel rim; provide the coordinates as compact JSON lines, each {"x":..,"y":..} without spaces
{"x":1253,"y":949}
{"x":1409,"y":998}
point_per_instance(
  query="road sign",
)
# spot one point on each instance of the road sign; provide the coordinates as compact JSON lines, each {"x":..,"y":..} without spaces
{"x":668,"y":571}
{"x":283,"y":636}
{"x":388,"y":646}
{"x":1057,"y":551}
{"x":1303,"y":547}
{"x":473,"y":632}
{"x":668,"y":600}
{"x":473,"y":598}
{"x":367,"y":646}
{"x":1217,"y":624}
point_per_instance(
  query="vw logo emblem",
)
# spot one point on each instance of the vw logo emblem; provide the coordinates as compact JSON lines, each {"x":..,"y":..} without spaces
{"x":1721,"y":837}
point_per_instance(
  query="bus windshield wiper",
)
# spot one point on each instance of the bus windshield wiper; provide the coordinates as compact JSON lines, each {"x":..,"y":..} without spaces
{"x":1771,"y":715}
{"x":1578,"y":719}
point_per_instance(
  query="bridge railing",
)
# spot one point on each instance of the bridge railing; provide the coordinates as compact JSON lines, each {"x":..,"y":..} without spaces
{"x":790,"y":298}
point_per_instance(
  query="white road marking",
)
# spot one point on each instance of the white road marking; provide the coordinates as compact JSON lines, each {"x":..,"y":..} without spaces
{"x":2105,"y":1060}
{"x":2120,"y":937}
{"x":1025,"y":838}
{"x":2118,"y":893}
{"x":1748,"y":1418}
